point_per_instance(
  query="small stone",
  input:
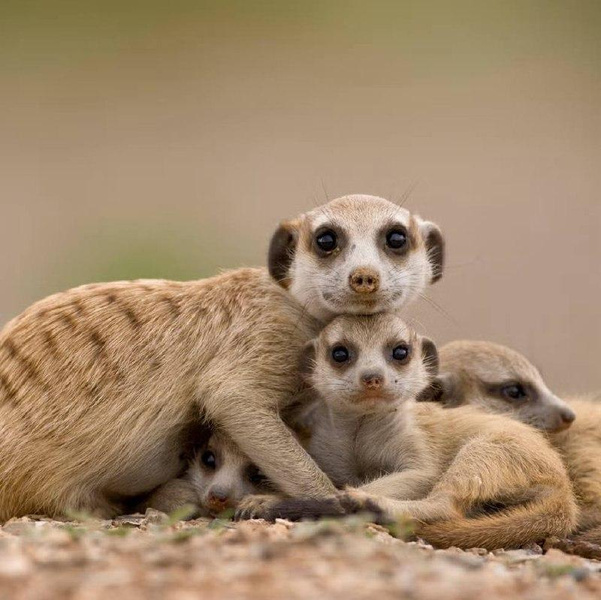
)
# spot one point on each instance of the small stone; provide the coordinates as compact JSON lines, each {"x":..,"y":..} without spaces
{"x":130,"y":520}
{"x":478,"y":551}
{"x":19,"y":526}
{"x":155,"y":517}
{"x":533,"y":548}
{"x":580,"y":574}
{"x":14,"y":565}
{"x":285,"y":523}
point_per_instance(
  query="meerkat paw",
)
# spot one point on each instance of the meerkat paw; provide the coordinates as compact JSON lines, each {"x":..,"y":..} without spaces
{"x":354,"y":501}
{"x":346,"y":502}
{"x":257,"y":506}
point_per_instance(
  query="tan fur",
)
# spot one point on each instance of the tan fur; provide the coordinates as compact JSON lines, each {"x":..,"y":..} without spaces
{"x":466,"y":478}
{"x":580,"y":448}
{"x":474,"y":372}
{"x":101,"y":386}
{"x":471,"y":373}
{"x":210,"y":487}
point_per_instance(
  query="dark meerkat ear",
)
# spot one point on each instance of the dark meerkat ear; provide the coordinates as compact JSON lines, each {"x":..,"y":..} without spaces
{"x":430,"y":356}
{"x":444,"y":389}
{"x":197,"y":436}
{"x":281,"y":251}
{"x":435,"y":247}
{"x":306,"y":363}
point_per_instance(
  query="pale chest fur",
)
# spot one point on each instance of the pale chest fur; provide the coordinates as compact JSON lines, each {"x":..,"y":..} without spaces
{"x":388,"y":443}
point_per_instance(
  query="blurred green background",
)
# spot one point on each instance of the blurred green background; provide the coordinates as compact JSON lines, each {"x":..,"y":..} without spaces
{"x":146,"y":139}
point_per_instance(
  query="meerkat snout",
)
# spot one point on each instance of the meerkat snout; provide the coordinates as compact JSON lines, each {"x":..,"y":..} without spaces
{"x":566,"y":417}
{"x":217,"y":499}
{"x":364,"y":280}
{"x":372,"y":381}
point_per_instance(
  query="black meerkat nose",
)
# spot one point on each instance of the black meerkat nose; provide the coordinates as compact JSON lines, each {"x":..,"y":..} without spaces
{"x":567,"y":415}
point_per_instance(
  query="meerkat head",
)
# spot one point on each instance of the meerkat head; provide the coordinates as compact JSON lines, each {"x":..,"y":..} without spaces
{"x":500,"y":380}
{"x":357,"y":254}
{"x":369,"y":363}
{"x":223,"y":475}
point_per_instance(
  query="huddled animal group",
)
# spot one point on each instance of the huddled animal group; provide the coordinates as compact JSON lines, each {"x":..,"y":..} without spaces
{"x":294,"y":391}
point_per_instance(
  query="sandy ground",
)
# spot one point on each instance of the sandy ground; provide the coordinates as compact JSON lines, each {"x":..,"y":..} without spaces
{"x":153,"y":556}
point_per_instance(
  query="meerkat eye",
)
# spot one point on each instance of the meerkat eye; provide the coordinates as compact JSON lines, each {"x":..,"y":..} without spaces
{"x":396,"y":239}
{"x":208,"y":459}
{"x":514,"y":391}
{"x":340,"y":354}
{"x":401,"y":352}
{"x":327,"y":241}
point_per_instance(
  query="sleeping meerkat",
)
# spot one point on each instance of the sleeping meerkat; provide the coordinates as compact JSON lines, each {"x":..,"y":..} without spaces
{"x":217,"y":477}
{"x":101,"y":385}
{"x":464,"y":477}
{"x":499,"y":379}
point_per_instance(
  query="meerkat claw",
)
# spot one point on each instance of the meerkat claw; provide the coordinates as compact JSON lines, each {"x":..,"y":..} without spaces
{"x":256,"y":507}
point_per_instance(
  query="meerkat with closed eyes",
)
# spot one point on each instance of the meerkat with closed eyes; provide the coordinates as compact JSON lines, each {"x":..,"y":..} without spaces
{"x":464,"y":477}
{"x":216,"y":479}
{"x":501,"y":381}
{"x":101,"y":385}
{"x":498,"y":379}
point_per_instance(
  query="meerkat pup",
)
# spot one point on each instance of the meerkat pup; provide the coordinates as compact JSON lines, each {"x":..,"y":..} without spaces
{"x":217,"y":477}
{"x":500,"y":380}
{"x":466,"y":478}
{"x":101,"y":385}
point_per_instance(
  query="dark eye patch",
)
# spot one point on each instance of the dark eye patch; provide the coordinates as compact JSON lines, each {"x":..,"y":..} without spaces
{"x":255,"y":476}
{"x":401,"y":353}
{"x":340,"y":354}
{"x":396,"y":238}
{"x":209,"y":460}
{"x":512,"y":391}
{"x":328,"y":240}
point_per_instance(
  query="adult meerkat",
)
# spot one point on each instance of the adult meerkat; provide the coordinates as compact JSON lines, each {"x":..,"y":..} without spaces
{"x":100,"y":386}
{"x":500,"y":380}
{"x":217,"y":477}
{"x":466,"y":478}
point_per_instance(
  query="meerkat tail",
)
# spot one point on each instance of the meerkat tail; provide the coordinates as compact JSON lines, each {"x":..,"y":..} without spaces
{"x":510,"y":528}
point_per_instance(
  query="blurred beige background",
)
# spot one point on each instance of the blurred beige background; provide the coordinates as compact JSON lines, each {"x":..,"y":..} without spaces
{"x":167,"y":140}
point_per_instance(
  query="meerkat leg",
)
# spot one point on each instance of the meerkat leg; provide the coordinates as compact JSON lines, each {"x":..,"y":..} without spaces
{"x":171,"y":496}
{"x":412,"y":484}
{"x":483,"y":471}
{"x":490,"y":496}
{"x":493,"y":468}
{"x":270,"y":445}
{"x":95,"y":504}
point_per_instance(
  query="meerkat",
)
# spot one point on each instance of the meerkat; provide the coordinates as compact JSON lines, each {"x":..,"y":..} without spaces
{"x":100,"y":386}
{"x":464,"y":477}
{"x":500,"y":380}
{"x":217,"y":477}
